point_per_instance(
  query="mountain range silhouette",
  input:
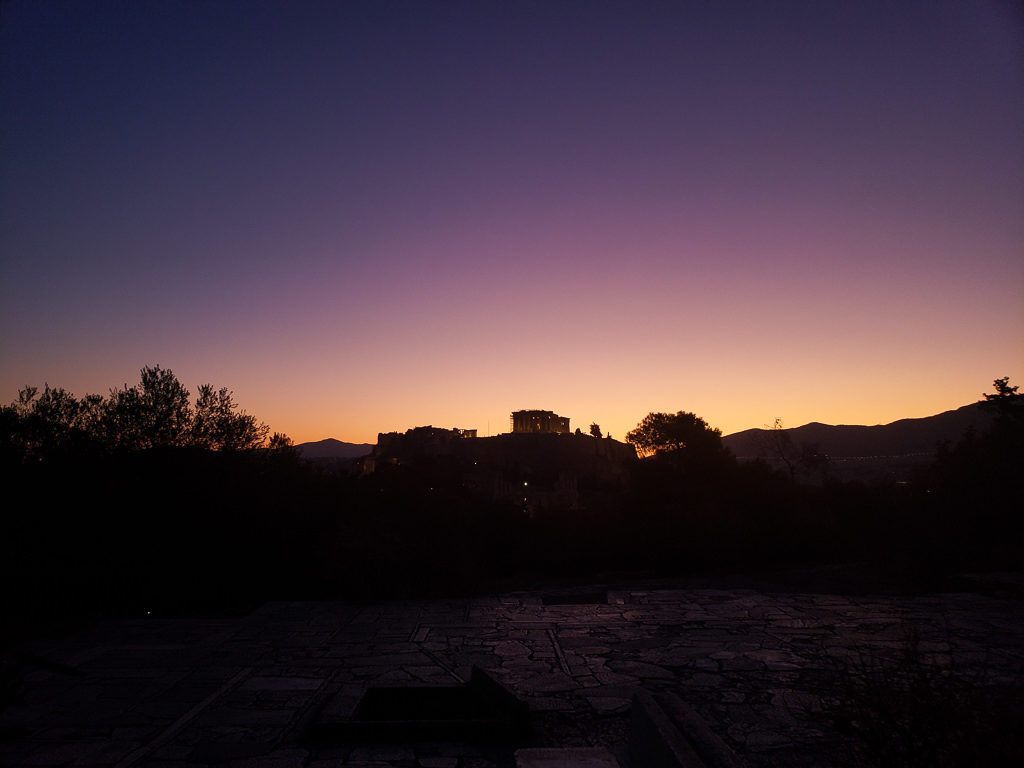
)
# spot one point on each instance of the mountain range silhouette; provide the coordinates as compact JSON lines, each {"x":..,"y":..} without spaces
{"x":333,"y":449}
{"x":905,"y":437}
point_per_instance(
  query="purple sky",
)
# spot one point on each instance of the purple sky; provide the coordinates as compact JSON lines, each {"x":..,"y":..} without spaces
{"x":369,"y":216}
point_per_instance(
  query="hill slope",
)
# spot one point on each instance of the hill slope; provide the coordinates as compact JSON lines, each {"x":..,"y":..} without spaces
{"x":333,"y":449}
{"x":900,"y":438}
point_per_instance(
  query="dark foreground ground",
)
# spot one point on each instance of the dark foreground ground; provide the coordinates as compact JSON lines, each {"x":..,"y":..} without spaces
{"x":809,"y":668}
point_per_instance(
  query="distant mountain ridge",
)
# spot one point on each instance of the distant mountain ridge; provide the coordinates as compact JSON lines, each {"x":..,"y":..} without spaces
{"x":333,"y":449}
{"x":904,"y":437}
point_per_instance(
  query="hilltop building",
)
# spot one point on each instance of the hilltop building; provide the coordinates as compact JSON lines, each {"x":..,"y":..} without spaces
{"x":533,"y":469}
{"x":539,"y":421}
{"x":428,"y":440}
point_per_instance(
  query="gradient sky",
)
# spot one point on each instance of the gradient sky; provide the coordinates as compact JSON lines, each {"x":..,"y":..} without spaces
{"x":368,"y":216}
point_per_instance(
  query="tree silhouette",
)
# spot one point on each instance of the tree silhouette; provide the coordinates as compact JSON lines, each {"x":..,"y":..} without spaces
{"x":595,"y":430}
{"x":281,"y":443}
{"x":45,"y":422}
{"x":978,"y":488}
{"x":1007,"y":403}
{"x":156,"y":412}
{"x":776,"y":443}
{"x":219,"y":425}
{"x":164,"y":399}
{"x":153,"y":413}
{"x":670,"y":432}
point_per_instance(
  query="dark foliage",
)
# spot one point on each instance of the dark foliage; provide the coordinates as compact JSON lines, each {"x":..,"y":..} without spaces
{"x":155,"y":413}
{"x":973,"y":494}
{"x":912,"y":709}
{"x":142,"y":502}
{"x":675,"y":433}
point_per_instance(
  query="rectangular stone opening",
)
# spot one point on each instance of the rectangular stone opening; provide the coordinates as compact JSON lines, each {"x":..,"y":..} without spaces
{"x":402,"y":704}
{"x":480,"y":710}
{"x":591,"y":597}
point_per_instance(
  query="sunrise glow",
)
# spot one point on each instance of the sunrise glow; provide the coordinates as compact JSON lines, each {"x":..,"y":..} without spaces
{"x":363,"y":217}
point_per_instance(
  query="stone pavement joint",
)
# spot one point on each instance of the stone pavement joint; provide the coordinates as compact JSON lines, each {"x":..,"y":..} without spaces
{"x":709,"y":745}
{"x":178,"y":724}
{"x":558,"y":652}
{"x":656,"y":741}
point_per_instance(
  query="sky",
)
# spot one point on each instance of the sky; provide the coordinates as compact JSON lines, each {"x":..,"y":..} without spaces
{"x":369,"y":216}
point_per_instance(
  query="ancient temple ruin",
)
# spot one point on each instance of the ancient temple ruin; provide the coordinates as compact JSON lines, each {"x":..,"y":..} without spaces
{"x":539,"y":421}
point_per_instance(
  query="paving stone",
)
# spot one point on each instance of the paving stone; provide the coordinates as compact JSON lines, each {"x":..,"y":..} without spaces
{"x":170,"y":753}
{"x":217,"y":752}
{"x":548,"y":683}
{"x":639,"y":669}
{"x":611,"y":678}
{"x":704,"y":680}
{"x":606,"y":704}
{"x":62,"y":754}
{"x":548,"y":704}
{"x":798,"y":701}
{"x":281,"y":684}
{"x":761,"y":739}
{"x":554,"y":757}
{"x":381,"y":754}
{"x":249,"y":717}
{"x":282,"y":758}
{"x":740,"y":663}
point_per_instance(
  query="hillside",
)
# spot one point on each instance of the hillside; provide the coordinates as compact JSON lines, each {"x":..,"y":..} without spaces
{"x":333,"y":449}
{"x":900,"y":438}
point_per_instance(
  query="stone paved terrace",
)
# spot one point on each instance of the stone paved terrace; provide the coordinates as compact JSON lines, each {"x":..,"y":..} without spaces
{"x":757,"y":668}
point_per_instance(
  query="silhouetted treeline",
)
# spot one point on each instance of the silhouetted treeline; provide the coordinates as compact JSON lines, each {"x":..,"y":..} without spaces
{"x":155,"y":413}
{"x":973,"y":493}
{"x":145,"y":502}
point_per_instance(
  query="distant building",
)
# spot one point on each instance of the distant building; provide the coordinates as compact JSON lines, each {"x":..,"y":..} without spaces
{"x":428,"y":440}
{"x":539,"y":421}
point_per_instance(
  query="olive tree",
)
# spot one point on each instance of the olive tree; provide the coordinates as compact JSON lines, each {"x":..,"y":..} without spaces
{"x":219,"y":425}
{"x":670,"y":432}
